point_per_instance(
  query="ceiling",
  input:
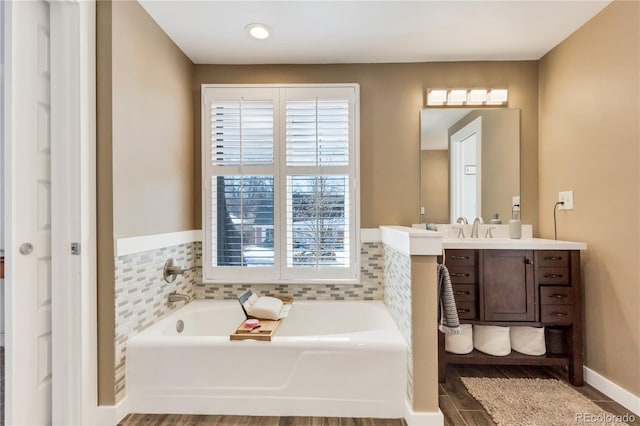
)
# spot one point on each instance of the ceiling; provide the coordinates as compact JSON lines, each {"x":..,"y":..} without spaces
{"x":313,"y":32}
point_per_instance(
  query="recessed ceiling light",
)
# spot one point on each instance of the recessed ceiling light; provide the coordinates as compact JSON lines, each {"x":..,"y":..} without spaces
{"x":258,"y":31}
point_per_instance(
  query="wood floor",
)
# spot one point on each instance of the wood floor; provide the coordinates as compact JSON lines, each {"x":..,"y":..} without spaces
{"x":174,"y":419}
{"x":461,"y":409}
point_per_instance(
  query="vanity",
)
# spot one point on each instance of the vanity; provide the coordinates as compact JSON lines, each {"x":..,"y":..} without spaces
{"x":527,"y":282}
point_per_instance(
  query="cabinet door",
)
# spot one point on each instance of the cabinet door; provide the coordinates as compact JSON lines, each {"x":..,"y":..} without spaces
{"x":506,"y":286}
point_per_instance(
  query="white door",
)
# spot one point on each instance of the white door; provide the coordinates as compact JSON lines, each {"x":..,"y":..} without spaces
{"x":28,"y":214}
{"x":466,"y":189}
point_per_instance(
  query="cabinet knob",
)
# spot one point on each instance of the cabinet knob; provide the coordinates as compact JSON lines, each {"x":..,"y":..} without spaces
{"x":553,"y":275}
{"x":528,"y":261}
{"x":454,"y":274}
{"x":461,"y":293}
{"x":558,"y":314}
{"x":460,"y":257}
{"x":464,"y":311}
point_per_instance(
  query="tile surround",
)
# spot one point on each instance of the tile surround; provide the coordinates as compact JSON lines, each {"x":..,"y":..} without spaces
{"x":369,"y":288}
{"x":141,"y":292}
{"x":397,"y":298}
{"x":141,"y":295}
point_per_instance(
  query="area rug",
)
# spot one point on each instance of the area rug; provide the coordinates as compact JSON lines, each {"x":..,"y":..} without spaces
{"x":538,"y":402}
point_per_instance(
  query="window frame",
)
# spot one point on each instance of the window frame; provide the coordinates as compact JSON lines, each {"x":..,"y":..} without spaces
{"x":280,"y":273}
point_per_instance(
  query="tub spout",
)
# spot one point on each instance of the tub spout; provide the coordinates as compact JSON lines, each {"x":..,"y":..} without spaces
{"x":179,"y":297}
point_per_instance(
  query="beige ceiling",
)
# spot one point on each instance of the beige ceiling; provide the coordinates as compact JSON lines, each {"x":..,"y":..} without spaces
{"x":212,"y":32}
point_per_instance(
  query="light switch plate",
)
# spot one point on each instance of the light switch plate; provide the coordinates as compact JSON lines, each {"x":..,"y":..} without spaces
{"x":567,"y":198}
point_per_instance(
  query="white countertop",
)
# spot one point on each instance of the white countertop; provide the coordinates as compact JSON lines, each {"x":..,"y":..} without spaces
{"x":508,"y":243}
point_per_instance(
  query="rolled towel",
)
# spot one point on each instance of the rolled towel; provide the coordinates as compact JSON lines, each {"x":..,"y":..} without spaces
{"x":266,"y":307}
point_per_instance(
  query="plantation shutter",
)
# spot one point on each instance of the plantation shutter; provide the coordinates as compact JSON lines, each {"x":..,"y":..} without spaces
{"x":280,"y":184}
{"x":320,"y":177}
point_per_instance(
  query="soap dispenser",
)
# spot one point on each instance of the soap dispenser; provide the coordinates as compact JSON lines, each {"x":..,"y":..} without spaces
{"x":515,"y":226}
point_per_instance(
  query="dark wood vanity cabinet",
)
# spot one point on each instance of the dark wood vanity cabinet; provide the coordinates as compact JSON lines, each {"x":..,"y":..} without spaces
{"x":507,"y":286}
{"x":518,"y":287}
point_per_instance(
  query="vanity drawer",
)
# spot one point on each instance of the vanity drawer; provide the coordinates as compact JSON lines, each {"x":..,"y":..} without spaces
{"x":461,"y":257}
{"x":464,"y":292}
{"x":462,"y":274}
{"x":553,"y":258}
{"x":559,"y":314}
{"x":558,"y":276}
{"x":466,"y":310}
{"x":557,"y":296}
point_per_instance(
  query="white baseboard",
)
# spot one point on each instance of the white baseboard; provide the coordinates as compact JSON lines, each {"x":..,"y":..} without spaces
{"x":612,"y":390}
{"x":422,"y":418}
{"x":111,"y":415}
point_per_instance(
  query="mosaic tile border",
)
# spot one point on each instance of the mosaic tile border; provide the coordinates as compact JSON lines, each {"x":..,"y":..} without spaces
{"x":397,"y":298}
{"x":141,"y":292}
{"x":370,"y":287}
{"x":141,"y":295}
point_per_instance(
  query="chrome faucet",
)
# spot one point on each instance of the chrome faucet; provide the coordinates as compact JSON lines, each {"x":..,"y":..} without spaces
{"x":462,"y":221}
{"x":179,"y":297}
{"x":476,"y":224}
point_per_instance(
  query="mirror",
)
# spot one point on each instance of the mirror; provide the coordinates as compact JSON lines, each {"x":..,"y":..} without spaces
{"x":470,"y":163}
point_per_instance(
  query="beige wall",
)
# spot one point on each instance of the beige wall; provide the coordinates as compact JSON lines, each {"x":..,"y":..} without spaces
{"x":145,"y":148}
{"x":589,"y":143}
{"x":500,"y":159}
{"x":152,"y":128}
{"x":391,"y":97}
{"x":104,"y":206}
{"x":435,"y":185}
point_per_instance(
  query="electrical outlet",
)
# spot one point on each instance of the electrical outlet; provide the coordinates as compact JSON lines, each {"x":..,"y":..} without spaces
{"x":567,"y":198}
{"x":515,"y":201}
{"x":422,"y":211}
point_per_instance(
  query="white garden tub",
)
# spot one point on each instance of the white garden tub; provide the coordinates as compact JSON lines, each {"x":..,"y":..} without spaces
{"x":327,"y":359}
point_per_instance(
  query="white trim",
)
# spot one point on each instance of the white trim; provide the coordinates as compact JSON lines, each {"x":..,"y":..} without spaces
{"x":422,"y":418}
{"x":74,"y":313}
{"x":131,"y":245}
{"x":370,"y":235}
{"x":612,"y":390}
{"x":109,"y":415}
{"x":412,"y":241}
{"x":66,"y":288}
{"x":142,"y":243}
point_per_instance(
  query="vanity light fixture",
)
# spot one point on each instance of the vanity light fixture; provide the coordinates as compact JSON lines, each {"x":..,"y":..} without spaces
{"x":436,"y":97}
{"x":464,"y":97}
{"x":258,"y":31}
{"x":497,"y":97}
{"x":457,"y":97}
{"x":476,"y":97}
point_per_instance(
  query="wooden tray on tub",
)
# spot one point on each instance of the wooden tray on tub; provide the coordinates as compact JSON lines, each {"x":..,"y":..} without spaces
{"x":264,"y":332}
{"x":267,"y":327}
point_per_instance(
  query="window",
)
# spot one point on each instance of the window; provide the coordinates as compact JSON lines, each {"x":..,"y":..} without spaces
{"x":280,"y":182}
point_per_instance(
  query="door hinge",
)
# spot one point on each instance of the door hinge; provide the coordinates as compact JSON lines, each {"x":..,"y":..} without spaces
{"x":75,"y":249}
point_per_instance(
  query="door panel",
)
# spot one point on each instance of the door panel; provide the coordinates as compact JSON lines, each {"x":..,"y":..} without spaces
{"x":29,"y":220}
{"x":507,"y":285}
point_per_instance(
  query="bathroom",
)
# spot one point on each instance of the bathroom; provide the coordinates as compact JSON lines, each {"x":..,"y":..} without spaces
{"x":575,"y":133}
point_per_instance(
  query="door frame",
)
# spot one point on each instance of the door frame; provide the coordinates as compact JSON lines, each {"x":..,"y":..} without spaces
{"x":474,"y":126}
{"x":73,"y":170}
{"x":73,"y":142}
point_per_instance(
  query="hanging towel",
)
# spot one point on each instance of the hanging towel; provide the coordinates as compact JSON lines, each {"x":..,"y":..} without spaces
{"x":447,"y":311}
